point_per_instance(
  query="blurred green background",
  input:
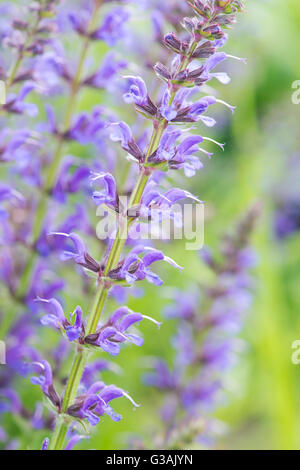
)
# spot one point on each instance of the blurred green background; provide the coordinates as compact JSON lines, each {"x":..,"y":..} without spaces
{"x":263,"y":409}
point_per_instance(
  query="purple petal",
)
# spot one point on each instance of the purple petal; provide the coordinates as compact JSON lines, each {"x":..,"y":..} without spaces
{"x":153,"y":278}
{"x":105,"y":344}
{"x":137,"y":340}
{"x":121,"y":132}
{"x":119,"y":313}
{"x":73,"y":333}
{"x":95,"y":388}
{"x":129,"y":320}
{"x":187,"y":146}
{"x":110,"y":393}
{"x":152,"y":257}
{"x":73,"y":441}
{"x":110,"y":186}
{"x":214,"y":60}
{"x":137,"y":92}
{"x":50,"y":320}
{"x":53,"y":307}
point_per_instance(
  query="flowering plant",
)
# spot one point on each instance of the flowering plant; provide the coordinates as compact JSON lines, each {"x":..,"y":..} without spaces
{"x":47,"y":179}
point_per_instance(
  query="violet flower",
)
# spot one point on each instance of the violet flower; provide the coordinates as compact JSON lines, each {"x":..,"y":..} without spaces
{"x":135,"y":268}
{"x":113,"y":333}
{"x":94,"y":403}
{"x":109,"y":196}
{"x":80,"y":255}
{"x":56,"y":318}
{"x":44,"y":380}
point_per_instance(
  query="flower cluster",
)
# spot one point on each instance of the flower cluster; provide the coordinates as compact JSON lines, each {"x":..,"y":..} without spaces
{"x":91,"y":405}
{"x":108,"y":336}
{"x":205,"y":343}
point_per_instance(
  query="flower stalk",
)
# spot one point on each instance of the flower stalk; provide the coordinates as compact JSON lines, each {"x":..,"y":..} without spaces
{"x":53,"y":169}
{"x":94,"y":317}
{"x":113,"y":259}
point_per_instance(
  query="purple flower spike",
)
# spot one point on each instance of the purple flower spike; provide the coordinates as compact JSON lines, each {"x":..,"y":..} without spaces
{"x":189,"y":146}
{"x":179,"y":156}
{"x":90,"y":403}
{"x":88,"y":128}
{"x":6,"y":192}
{"x":14,"y":404}
{"x":162,"y":377}
{"x":185,"y":157}
{"x":124,"y":318}
{"x":15,"y":143}
{"x":121,"y":133}
{"x":167,"y":147}
{"x":107,"y":394}
{"x":167,"y":199}
{"x":40,"y":64}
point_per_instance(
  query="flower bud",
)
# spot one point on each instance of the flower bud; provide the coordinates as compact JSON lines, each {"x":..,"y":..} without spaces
{"x":173,"y":43}
{"x":213,"y":32}
{"x":203,"y":8}
{"x":203,"y":51}
{"x":21,"y":25}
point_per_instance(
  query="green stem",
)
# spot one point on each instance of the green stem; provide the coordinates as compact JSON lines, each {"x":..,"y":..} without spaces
{"x":97,"y":308}
{"x":59,"y":435}
{"x":74,"y":378}
{"x":14,"y":71}
{"x":139,"y":188}
{"x":26,"y":275}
